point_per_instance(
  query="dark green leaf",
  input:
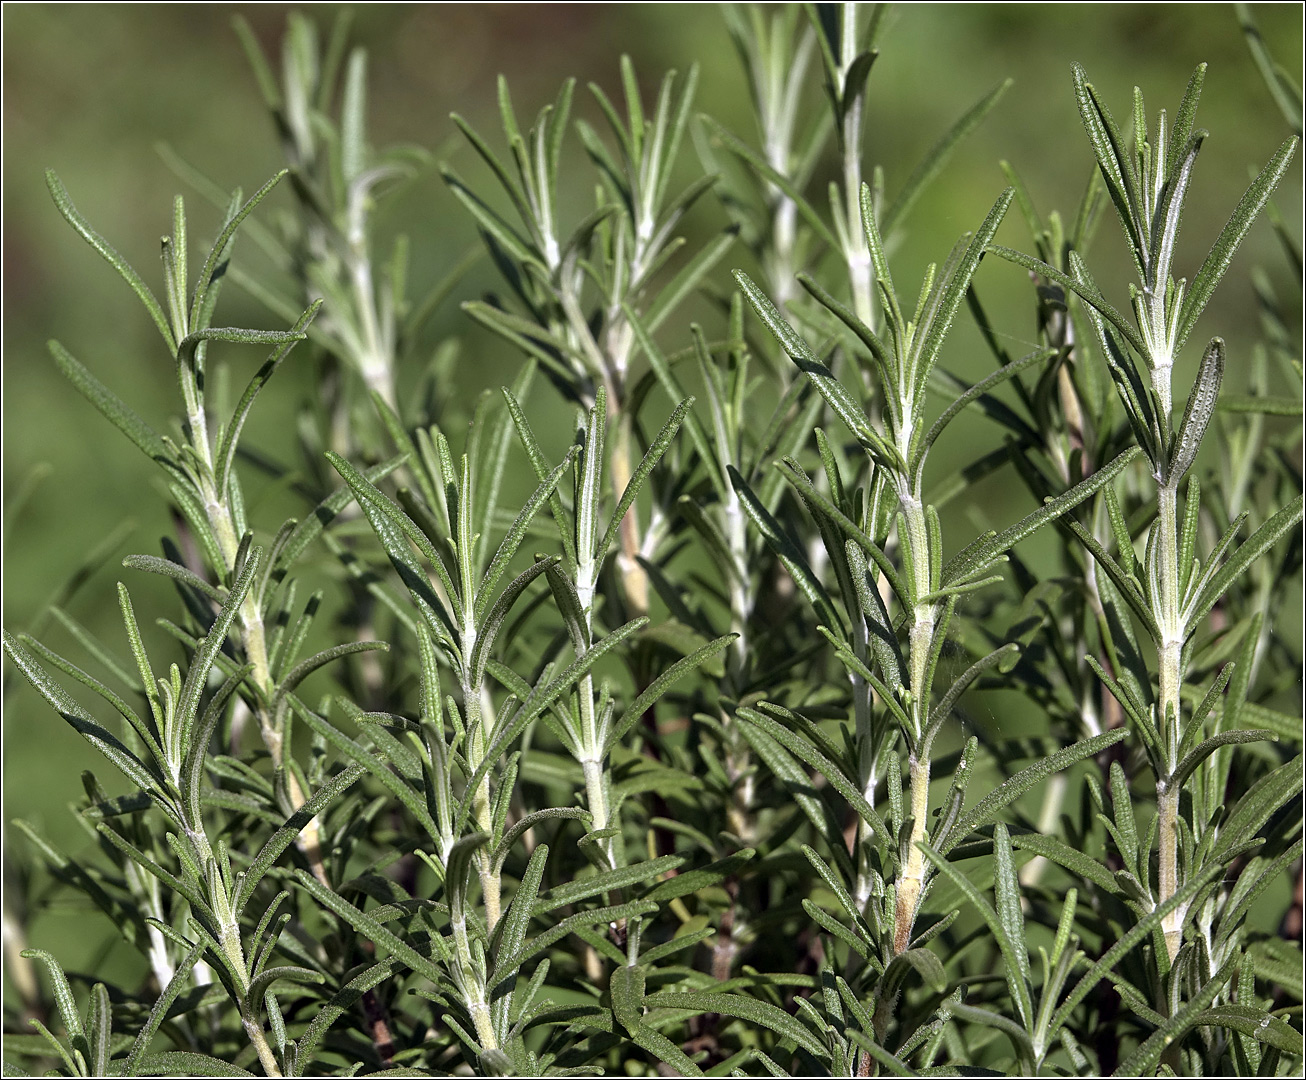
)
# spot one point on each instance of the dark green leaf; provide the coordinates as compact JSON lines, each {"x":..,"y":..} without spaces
{"x":1011,"y":789}
{"x":1222,"y":251}
{"x":980,"y":554}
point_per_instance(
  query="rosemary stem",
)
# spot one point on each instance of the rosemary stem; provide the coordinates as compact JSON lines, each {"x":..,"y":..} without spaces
{"x":254,"y":1029}
{"x":1170,"y":662}
{"x":912,"y":879}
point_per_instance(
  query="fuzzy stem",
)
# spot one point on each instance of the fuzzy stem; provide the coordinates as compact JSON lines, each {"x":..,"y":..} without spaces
{"x":857,"y":256}
{"x":1170,"y":661}
{"x":253,"y":634}
{"x":1167,"y":802}
{"x":633,"y":578}
{"x":596,"y":797}
{"x":737,"y":757}
{"x":254,"y":1029}
{"x":491,"y":882}
{"x":912,"y":879}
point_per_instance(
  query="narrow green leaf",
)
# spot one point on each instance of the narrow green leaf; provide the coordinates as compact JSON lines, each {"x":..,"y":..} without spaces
{"x":1083,"y":290}
{"x":307,"y":530}
{"x":353,"y":119}
{"x":702,"y":877}
{"x":1007,"y":927}
{"x":370,"y":928}
{"x":159,"y":1011}
{"x":138,"y":286}
{"x":785,"y":550}
{"x":546,"y":939}
{"x":152,"y":564}
{"x":1267,"y":875}
{"x":843,"y":404}
{"x":1145,"y":1059}
{"x":120,"y":415}
{"x":395,"y":530}
{"x":105,"y":741}
{"x":626,"y":985}
{"x":933,"y":163}
{"x":1191,"y":760}
{"x":267,"y":82}
{"x":806,"y":752}
{"x":818,"y":502}
{"x":764,"y":169}
{"x":1267,"y":406}
{"x":1222,"y":251}
{"x":143,"y":729}
{"x":1012,"y":788}
{"x":659,"y":686}
{"x":975,"y":392}
{"x":63,"y":998}
{"x":259,"y":985}
{"x":305,"y":668}
{"x":1257,"y":1023}
{"x":1248,"y":552}
{"x":984,"y":550}
{"x":665,"y":1050}
{"x":372,"y":762}
{"x":531,"y":821}
{"x":647,"y":463}
{"x":226,"y":451}
{"x":1256,"y":807}
{"x":924,"y":963}
{"x":759,"y":1013}
{"x":880,"y":352}
{"x":1140,"y":931}
{"x":515,"y":534}
{"x":623,"y":877}
{"x":661,"y":366}
{"x":1058,"y":851}
{"x":509,"y":727}
{"x":201,"y":663}
{"x":211,"y":273}
{"x":197,"y":748}
{"x":1124,"y":582}
{"x":186,"y":1063}
{"x":344,"y":999}
{"x":1198,"y":411}
{"x":952,"y":293}
{"x":687,"y":279}
{"x":1003,"y":659}
{"x":883,"y":639}
{"x":511,"y":932}
{"x":1115,"y":164}
{"x":798,"y":786}
{"x":493,"y":620}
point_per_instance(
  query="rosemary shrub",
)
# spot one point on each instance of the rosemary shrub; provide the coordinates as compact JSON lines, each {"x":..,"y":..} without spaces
{"x":652,"y":746}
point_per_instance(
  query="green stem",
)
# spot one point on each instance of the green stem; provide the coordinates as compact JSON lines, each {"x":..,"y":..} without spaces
{"x":911,"y":881}
{"x":911,"y":878}
{"x":857,"y":256}
{"x":254,"y":1029}
{"x":1170,"y":662}
{"x":471,"y":982}
{"x":481,"y":1020}
{"x":1167,"y":803}
{"x":737,"y":756}
{"x":633,"y":578}
{"x":253,"y":634}
{"x":376,"y":362}
{"x":491,"y":881}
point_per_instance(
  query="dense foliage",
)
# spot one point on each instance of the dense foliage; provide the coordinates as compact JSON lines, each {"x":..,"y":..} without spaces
{"x":647,"y":749}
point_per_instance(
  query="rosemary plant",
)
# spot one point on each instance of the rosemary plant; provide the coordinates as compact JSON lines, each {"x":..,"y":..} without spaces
{"x":635,"y":721}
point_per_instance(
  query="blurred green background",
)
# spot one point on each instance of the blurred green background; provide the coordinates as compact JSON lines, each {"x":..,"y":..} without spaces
{"x":90,"y":90}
